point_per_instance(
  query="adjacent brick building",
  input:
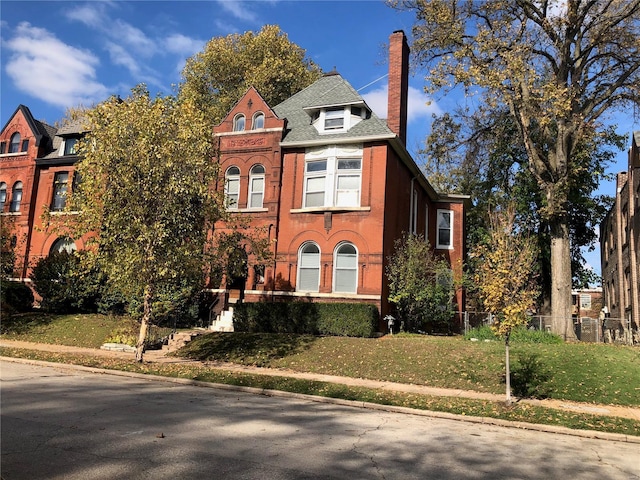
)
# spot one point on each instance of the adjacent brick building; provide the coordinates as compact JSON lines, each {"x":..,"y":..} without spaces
{"x":620,"y":245}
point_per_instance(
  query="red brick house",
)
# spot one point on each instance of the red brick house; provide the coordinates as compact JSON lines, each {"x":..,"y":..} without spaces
{"x":334,"y":186}
{"x":36,"y":169}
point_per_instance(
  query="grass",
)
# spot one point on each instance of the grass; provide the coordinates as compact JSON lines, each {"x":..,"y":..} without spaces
{"x":518,"y":412}
{"x":595,"y":373}
{"x":75,"y":330}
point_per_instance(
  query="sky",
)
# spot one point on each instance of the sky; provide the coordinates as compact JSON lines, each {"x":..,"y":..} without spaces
{"x":56,"y":55}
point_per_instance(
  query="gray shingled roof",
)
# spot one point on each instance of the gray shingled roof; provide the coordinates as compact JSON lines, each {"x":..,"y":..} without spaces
{"x":327,"y":91}
{"x":73,"y":127}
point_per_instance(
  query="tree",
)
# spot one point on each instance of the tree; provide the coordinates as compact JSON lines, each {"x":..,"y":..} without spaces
{"x":505,"y":276}
{"x":145,"y":191}
{"x":559,"y":66}
{"x":420,"y":285}
{"x":217,"y":77}
{"x":481,"y":153}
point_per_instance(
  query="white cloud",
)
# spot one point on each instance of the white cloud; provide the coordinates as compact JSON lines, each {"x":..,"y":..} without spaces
{"x":238,"y":9}
{"x":418,"y":103}
{"x":183,"y":45}
{"x":47,"y":68}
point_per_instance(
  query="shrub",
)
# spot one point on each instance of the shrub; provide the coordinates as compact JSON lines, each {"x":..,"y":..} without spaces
{"x":344,"y":319}
{"x":65,"y":284}
{"x":16,"y":296}
{"x":525,"y":335}
{"x":348,"y":319}
{"x":530,"y":377}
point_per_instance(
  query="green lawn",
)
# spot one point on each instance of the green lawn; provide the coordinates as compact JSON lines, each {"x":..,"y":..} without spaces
{"x":597,"y":373}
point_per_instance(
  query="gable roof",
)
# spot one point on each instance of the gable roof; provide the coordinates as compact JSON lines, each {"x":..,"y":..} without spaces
{"x":40,"y":129}
{"x":330,"y":90}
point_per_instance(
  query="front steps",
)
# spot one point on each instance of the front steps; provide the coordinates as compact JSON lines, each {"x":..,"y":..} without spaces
{"x":223,"y":322}
{"x":178,"y":340}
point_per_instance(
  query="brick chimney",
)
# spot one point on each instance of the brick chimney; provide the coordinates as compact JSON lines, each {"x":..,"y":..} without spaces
{"x":398,"y":84}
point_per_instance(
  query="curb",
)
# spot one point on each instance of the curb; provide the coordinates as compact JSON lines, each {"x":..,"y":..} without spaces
{"x":591,"y":434}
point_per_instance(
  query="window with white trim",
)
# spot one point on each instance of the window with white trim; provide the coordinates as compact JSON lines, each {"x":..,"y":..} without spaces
{"x":333,"y":177}
{"x":14,"y":143}
{"x":232,"y":187}
{"x":258,"y":121}
{"x":70,"y":146}
{"x":585,"y":301}
{"x":60,"y":183}
{"x":238,"y":123}
{"x":63,"y":244}
{"x":334,"y":118}
{"x":444,"y":234}
{"x":16,"y":197}
{"x":345,"y":268}
{"x":3,"y":195}
{"x":413,"y":213}
{"x":309,"y":268}
{"x":256,"y":186}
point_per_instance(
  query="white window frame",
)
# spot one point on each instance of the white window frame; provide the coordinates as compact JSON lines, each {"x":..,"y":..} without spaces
{"x":439,"y":217}
{"x":337,"y":268}
{"x":3,"y":195}
{"x":239,"y":123}
{"x":413,"y":212}
{"x":254,"y":120}
{"x":257,"y":194}
{"x":15,"y":143}
{"x":60,"y":189}
{"x":229,"y":180}
{"x":332,"y":175}
{"x":14,"y":206}
{"x":305,"y":264}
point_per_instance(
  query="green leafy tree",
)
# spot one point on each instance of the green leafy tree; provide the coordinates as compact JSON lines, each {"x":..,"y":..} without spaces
{"x":147,"y":172}
{"x":420,"y":285}
{"x":559,"y":67}
{"x":217,"y":77}
{"x":505,"y":276}
{"x":481,"y":153}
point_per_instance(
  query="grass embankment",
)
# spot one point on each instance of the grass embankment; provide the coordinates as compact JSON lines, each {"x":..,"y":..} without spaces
{"x":581,"y":372}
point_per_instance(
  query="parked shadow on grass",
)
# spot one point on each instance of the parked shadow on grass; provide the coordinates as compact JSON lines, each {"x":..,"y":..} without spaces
{"x":247,"y":348}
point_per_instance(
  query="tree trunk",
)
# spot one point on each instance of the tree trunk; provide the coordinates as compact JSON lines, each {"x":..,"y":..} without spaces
{"x":561,"y":320}
{"x":144,"y":324}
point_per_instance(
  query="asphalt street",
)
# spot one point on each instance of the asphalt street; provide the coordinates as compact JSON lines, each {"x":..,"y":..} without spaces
{"x":62,"y":423}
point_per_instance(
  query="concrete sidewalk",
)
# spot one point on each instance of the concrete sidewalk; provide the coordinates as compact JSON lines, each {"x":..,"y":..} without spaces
{"x":159,"y":356}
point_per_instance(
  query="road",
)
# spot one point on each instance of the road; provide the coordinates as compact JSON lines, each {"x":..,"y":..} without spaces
{"x":60,"y":423}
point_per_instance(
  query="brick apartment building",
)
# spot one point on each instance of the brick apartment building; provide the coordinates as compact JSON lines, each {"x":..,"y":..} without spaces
{"x":332,"y":184}
{"x":620,"y":245}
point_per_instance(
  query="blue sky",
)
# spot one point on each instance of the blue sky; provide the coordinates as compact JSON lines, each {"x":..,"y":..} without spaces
{"x":56,"y":55}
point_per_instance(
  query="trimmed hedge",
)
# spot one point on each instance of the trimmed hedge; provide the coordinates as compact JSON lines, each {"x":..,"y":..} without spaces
{"x":340,"y":319}
{"x":17,"y":296}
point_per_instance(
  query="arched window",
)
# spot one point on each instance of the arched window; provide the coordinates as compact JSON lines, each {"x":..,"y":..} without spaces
{"x":238,"y":123}
{"x":14,"y":145}
{"x":256,"y":186}
{"x":258,"y":121}
{"x":309,"y":268}
{"x":345,"y":269}
{"x":232,"y":187}
{"x":16,"y":197}
{"x":3,"y":195}
{"x":63,"y":245}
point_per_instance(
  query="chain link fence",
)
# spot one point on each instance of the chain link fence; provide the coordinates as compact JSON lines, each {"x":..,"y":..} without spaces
{"x":595,"y":330}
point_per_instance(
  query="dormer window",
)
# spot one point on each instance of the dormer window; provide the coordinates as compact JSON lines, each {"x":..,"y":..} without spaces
{"x":70,"y":146}
{"x":337,"y":119}
{"x":238,"y":123}
{"x":334,"y":119}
